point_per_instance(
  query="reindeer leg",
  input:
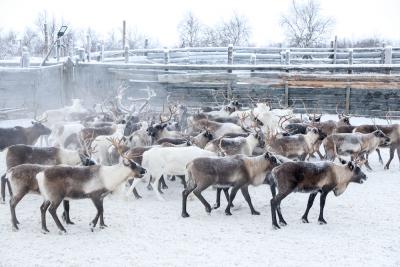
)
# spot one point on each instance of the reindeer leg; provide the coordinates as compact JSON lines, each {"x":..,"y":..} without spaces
{"x":321,"y":219}
{"x":13,"y":203}
{"x":65,"y":214}
{"x":185,"y":194}
{"x":234,"y":190}
{"x":391,"y":156}
{"x":163,"y":184}
{"x":53,"y":211}
{"x":9,"y":187}
{"x":183,"y":180}
{"x":136,"y":194}
{"x":99,"y":206}
{"x":309,"y":205}
{"x":245,"y":192}
{"x":379,"y":155}
{"x":273,"y":190}
{"x":159,"y":185}
{"x":197,"y":193}
{"x":398,"y":153}
{"x":366,"y":161}
{"x":276,"y":202}
{"x":226,"y":193}
{"x":43,"y":208}
{"x":218,"y":200}
{"x":3,"y":189}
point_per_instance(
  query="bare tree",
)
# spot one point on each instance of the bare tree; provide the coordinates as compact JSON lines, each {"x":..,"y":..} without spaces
{"x":235,"y":31}
{"x":304,"y":24}
{"x":189,"y":30}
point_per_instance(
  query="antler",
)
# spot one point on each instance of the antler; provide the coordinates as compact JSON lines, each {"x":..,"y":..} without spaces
{"x":172,"y":111}
{"x":117,"y":144}
{"x":41,"y":120}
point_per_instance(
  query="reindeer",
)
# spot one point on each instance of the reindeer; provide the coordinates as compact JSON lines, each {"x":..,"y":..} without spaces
{"x":94,"y":182}
{"x":217,"y":129}
{"x":160,"y":130}
{"x":311,"y":178}
{"x":295,"y":146}
{"x":354,"y":144}
{"x":237,"y":171}
{"x":392,"y":131}
{"x":22,"y":135}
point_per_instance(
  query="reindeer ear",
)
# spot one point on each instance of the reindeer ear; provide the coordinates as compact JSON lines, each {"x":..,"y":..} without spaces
{"x":350,"y":165}
{"x":267,"y":155}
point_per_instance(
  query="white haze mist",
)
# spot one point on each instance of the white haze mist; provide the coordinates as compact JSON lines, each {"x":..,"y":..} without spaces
{"x":355,"y":19}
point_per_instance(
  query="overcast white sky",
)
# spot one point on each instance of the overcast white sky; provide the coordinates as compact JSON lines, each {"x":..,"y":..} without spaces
{"x":354,"y":18}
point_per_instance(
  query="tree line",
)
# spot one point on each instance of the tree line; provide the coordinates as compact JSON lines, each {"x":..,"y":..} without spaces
{"x":303,"y":24}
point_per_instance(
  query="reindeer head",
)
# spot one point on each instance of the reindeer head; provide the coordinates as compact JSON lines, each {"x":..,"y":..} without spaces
{"x":137,"y":170}
{"x":384,"y":140}
{"x":40,"y":129}
{"x":357,"y":176}
{"x":271,"y":158}
{"x":313,"y":131}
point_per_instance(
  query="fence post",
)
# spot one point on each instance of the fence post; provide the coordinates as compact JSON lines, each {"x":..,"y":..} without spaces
{"x":123,"y":34}
{"x":25,"y":61}
{"x":334,"y":50}
{"x":102,"y":52}
{"x":166,"y":57}
{"x":230,"y":56}
{"x":146,"y":46}
{"x":287,"y":58}
{"x":89,"y":46}
{"x":253,"y":60}
{"x":126,"y":53}
{"x":81,"y":54}
{"x":58,"y":48}
{"x":46,"y":39}
{"x":350,"y":60}
{"x":286,"y":94}
{"x":347,"y":108}
{"x":388,"y":56}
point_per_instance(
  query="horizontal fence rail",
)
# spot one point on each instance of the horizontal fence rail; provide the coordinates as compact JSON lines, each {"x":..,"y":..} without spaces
{"x":253,"y":55}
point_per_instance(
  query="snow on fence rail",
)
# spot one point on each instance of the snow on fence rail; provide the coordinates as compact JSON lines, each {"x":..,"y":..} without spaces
{"x":253,"y":55}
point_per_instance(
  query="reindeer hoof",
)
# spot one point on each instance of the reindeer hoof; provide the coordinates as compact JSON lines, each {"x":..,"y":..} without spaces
{"x":228,"y":213}
{"x":15,"y":228}
{"x":62,"y":232}
{"x":304,"y":220}
{"x":185,"y":214}
{"x":45,"y":231}
{"x":216,"y":206}
{"x":103,"y":226}
{"x":282,"y":223}
{"x":275,"y":226}
{"x":2,"y":202}
{"x":164,"y":187}
{"x":322,"y":221}
{"x":254,"y":212}
{"x":386,"y":168}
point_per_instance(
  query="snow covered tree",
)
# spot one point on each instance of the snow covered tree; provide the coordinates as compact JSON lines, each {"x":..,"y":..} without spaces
{"x":305,"y":25}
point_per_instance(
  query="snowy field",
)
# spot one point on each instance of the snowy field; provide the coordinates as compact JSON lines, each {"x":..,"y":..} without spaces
{"x":363,"y":229}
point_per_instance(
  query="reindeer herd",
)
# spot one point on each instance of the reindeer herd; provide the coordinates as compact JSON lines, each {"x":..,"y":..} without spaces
{"x":74,"y":153}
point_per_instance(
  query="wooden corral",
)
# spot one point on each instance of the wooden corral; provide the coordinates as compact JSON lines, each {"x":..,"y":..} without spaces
{"x":360,"y":81}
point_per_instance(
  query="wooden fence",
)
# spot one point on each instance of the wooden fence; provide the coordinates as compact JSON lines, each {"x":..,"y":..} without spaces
{"x":253,"y":55}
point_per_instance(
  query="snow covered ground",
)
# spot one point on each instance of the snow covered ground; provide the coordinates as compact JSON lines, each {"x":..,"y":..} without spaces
{"x":363,"y":229}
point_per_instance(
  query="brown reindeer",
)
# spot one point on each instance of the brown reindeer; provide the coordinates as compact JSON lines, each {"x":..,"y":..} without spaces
{"x":311,"y":178}
{"x":237,"y":171}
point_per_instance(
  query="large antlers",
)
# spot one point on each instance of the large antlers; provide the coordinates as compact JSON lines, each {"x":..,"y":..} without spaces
{"x":172,"y":111}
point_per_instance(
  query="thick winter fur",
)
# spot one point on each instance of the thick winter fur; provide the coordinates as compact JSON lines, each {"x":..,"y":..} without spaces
{"x":20,"y":154}
{"x":354,"y":144}
{"x":22,"y":135}
{"x":311,"y":178}
{"x":233,"y":171}
{"x":392,"y":131}
{"x":236,"y":145}
{"x":94,"y":182}
{"x":295,"y":146}
{"x":89,"y":134}
{"x":217,"y":129}
{"x":160,"y":161}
